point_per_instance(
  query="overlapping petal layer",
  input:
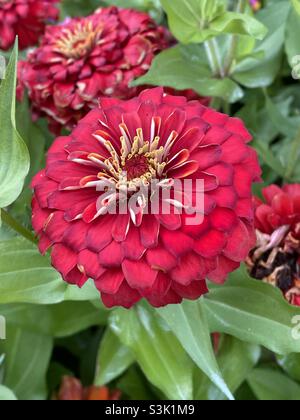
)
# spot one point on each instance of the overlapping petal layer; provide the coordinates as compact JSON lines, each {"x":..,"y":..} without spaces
{"x":25,"y":18}
{"x":276,"y":258}
{"x":163,"y":257}
{"x":84,"y":58}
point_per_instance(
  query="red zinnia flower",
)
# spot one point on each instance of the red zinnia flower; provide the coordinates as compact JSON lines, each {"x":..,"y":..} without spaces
{"x":276,"y":258}
{"x":25,"y":18}
{"x":72,"y":390}
{"x":161,"y":257}
{"x":85,"y":58}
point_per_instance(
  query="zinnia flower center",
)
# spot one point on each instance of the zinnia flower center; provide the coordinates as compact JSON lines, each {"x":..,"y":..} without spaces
{"x":78,"y":41}
{"x":136,"y":167}
{"x":138,"y":162}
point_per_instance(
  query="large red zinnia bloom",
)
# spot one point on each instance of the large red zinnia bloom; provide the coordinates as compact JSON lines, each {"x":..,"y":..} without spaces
{"x":276,"y":258}
{"x":160,"y":257}
{"x":25,"y":18}
{"x":85,"y":58}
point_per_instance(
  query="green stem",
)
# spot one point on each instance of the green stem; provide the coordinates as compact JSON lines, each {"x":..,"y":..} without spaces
{"x":17,"y":227}
{"x":213,"y":55}
{"x":241,"y":8}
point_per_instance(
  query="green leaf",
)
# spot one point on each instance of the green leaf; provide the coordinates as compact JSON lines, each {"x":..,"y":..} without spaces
{"x":296,"y":4}
{"x":113,"y":359}
{"x":31,"y":279}
{"x":270,"y":385}
{"x":240,"y":24}
{"x":236,"y":360}
{"x":254,"y":312}
{"x":291,"y":365}
{"x":292,"y":41}
{"x":283,"y":124}
{"x":188,"y":322}
{"x":191,"y":73}
{"x":156,"y":349}
{"x":192,"y":21}
{"x":268,"y":157}
{"x":6,"y":394}
{"x":27,"y":357}
{"x":14,"y":157}
{"x":255,"y":72}
{"x":61,"y":320}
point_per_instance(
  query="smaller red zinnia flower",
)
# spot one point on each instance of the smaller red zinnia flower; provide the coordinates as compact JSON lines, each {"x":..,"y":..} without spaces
{"x":72,"y":390}
{"x":85,"y":58}
{"x":25,"y":18}
{"x":276,"y":258}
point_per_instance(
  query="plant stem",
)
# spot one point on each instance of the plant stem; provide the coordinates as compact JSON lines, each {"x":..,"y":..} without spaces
{"x":17,"y":227}
{"x":241,"y":8}
{"x":213,"y":55}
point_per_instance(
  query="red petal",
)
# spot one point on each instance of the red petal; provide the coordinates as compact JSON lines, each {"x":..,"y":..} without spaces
{"x":211,"y":244}
{"x":193,"y":291}
{"x":111,"y":256}
{"x":132,"y":247}
{"x":225,"y":266}
{"x":99,"y":235}
{"x":207,"y":156}
{"x":89,"y":260}
{"x":223,"y":219}
{"x":192,"y":267}
{"x":176,"y":242}
{"x":238,"y":246}
{"x":110,"y":281}
{"x":121,"y":227}
{"x":160,"y":259}
{"x":126,"y":297}
{"x":149,"y":231}
{"x":138,"y":274}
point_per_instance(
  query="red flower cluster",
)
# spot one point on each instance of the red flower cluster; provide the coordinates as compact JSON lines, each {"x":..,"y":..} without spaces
{"x":85,"y":58}
{"x":276,"y":258}
{"x":72,"y":390}
{"x":25,"y":18}
{"x":126,"y":145}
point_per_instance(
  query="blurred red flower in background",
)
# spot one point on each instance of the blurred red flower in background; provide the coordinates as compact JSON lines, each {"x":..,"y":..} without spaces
{"x":276,"y":258}
{"x":25,"y":18}
{"x":84,"y":58}
{"x":160,"y":257}
{"x":72,"y":390}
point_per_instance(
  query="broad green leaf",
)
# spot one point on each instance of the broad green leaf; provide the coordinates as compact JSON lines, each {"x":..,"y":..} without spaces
{"x":31,"y":279}
{"x":156,"y":349}
{"x":27,"y":357}
{"x":283,"y":124}
{"x":240,"y":24}
{"x":292,"y":42}
{"x":133,"y":385}
{"x":268,"y":157}
{"x":254,"y":312}
{"x":270,"y":385}
{"x":61,"y":320}
{"x":236,"y":360}
{"x":255,"y":72}
{"x":296,"y":4}
{"x":191,"y":73}
{"x":291,"y":365}
{"x":14,"y":157}
{"x":113,"y":359}
{"x":188,"y":322}
{"x":192,"y":21}
{"x":6,"y":394}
